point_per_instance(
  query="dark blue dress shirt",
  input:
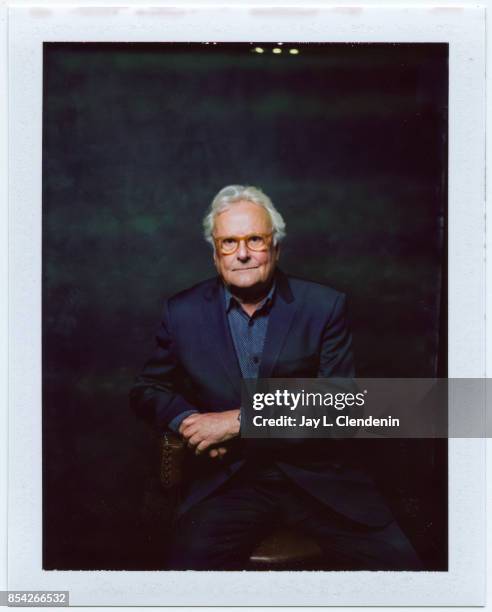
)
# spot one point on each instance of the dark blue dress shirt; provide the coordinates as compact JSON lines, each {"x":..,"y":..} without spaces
{"x":248,"y":332}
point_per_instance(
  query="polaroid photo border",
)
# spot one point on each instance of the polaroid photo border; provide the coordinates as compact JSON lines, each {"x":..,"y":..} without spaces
{"x":464,"y":29}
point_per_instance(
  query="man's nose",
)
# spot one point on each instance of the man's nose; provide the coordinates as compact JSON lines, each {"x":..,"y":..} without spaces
{"x":242,"y":252}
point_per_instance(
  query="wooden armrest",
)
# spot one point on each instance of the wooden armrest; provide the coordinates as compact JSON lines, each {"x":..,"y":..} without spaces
{"x":173,"y":452}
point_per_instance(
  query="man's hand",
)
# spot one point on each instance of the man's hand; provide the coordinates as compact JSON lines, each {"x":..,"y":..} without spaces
{"x":201,"y":431}
{"x":217,"y":452}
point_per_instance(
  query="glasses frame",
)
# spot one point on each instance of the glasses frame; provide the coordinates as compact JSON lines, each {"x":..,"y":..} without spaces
{"x":266,"y":237}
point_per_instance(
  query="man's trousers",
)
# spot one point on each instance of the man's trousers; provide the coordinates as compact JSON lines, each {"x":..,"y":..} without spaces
{"x":222,"y":531}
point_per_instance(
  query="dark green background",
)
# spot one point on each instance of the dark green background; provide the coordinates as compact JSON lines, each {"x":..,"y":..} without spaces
{"x":349,"y":141}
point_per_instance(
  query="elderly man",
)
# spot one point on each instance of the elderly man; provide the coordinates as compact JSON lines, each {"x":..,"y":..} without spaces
{"x":254,"y":321}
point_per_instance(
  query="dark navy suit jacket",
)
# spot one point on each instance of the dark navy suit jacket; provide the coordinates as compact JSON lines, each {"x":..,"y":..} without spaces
{"x":195,"y":367}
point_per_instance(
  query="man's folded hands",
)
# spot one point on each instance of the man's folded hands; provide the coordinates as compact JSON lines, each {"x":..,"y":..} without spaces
{"x":206,"y":432}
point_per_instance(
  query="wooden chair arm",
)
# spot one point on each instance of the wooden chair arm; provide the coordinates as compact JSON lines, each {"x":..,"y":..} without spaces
{"x":173,"y":451}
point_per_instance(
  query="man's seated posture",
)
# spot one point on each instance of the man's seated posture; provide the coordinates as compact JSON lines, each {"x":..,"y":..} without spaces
{"x":255,"y":321}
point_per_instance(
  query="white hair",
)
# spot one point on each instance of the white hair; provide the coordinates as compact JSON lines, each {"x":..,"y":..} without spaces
{"x":230,"y":195}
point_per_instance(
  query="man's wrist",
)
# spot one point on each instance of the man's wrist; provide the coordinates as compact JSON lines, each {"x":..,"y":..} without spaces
{"x":236,"y":422}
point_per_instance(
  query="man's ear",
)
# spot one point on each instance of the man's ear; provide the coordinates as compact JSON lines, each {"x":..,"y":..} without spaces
{"x":216,"y":261}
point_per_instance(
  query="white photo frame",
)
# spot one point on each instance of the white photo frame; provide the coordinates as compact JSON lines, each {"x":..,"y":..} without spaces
{"x":464,"y":29}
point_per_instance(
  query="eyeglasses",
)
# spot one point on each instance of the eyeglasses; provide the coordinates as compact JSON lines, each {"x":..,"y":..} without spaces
{"x":228,"y":245}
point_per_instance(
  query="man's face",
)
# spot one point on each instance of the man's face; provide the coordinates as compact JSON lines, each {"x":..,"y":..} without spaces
{"x":245,"y":268}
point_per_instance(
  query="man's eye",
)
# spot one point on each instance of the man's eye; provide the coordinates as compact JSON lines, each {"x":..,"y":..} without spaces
{"x":229,"y":241}
{"x":255,"y":239}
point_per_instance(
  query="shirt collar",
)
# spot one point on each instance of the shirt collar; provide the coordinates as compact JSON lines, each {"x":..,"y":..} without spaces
{"x":230,"y":300}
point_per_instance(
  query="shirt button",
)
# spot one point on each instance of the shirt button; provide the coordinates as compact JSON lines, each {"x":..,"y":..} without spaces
{"x":256,"y":359}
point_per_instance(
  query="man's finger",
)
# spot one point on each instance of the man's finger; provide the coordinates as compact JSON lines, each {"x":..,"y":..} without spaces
{"x":189,"y":432}
{"x":190,"y":418}
{"x":195,"y":440}
{"x":217,"y":452}
{"x":204,"y":444}
{"x":191,"y":429}
{"x":188,"y":422}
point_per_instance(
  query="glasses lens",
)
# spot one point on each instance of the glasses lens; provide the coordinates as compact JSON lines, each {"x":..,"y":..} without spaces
{"x":228,"y":245}
{"x":256,"y":243}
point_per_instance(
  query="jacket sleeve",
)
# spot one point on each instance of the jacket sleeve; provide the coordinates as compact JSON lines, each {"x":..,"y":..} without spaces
{"x":336,"y":357}
{"x":155,"y":395}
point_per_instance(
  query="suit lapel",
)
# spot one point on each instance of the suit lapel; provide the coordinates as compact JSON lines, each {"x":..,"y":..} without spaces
{"x":281,"y":316}
{"x":216,"y":328}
